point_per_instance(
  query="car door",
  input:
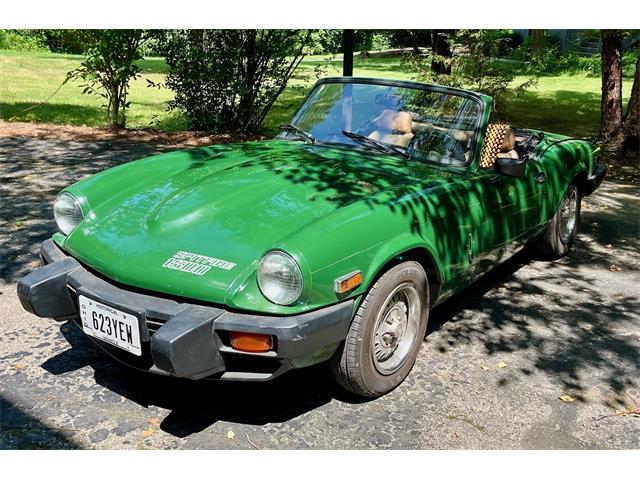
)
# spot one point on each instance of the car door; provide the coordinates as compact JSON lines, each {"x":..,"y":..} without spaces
{"x":510,"y":212}
{"x":526,"y":196}
{"x":492,"y":225}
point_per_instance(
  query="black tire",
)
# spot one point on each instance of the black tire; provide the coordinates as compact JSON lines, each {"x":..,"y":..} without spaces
{"x":556,"y":241}
{"x":353,"y":365}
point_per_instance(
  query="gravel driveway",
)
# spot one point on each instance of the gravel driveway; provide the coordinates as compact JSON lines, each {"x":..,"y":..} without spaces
{"x":492,"y":368}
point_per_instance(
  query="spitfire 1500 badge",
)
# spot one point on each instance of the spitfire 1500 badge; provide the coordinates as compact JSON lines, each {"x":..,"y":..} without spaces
{"x":197,"y":264}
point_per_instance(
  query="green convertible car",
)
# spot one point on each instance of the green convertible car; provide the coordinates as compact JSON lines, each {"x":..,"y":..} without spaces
{"x":333,"y":241}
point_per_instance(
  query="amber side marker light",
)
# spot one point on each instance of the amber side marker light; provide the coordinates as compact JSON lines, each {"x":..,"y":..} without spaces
{"x":348,"y":282}
{"x":251,"y":342}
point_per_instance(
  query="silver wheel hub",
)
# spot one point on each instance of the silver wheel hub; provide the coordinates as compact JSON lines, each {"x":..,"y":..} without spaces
{"x":390,"y":331}
{"x":568,"y":215}
{"x":396,"y":329}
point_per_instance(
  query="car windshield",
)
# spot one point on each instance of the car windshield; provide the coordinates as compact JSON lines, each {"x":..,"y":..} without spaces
{"x":423,"y":123}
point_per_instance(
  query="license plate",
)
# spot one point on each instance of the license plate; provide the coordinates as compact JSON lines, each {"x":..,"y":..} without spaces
{"x":110,"y":325}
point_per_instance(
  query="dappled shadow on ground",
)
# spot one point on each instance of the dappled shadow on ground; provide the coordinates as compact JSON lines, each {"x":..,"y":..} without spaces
{"x":32,"y":172}
{"x":19,"y":430}
{"x":194,"y":406}
{"x":567,"y":318}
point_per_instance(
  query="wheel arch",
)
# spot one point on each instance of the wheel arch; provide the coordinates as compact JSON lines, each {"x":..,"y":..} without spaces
{"x":418,"y":253}
{"x":580,"y":181}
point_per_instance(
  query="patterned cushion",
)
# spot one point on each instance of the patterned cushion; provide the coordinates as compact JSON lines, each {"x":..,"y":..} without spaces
{"x":493,"y":141}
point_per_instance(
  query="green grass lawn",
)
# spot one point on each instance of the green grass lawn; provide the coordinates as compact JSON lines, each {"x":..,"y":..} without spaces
{"x":563,"y":104}
{"x":28,"y":78}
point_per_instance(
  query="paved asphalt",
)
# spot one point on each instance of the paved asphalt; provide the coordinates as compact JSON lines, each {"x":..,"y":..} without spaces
{"x":490,"y":373}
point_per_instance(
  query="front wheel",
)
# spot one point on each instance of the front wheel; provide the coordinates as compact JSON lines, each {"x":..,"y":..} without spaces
{"x":563,"y":228}
{"x":386,"y":333}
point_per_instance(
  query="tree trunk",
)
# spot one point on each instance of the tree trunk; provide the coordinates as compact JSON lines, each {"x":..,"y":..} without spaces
{"x":632,"y":117}
{"x":538,"y":42}
{"x":441,"y":62}
{"x":114,"y":106}
{"x":611,"y":127}
{"x":347,"y":52}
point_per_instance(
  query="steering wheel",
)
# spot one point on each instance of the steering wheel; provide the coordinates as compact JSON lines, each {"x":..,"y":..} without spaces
{"x":439,"y":143}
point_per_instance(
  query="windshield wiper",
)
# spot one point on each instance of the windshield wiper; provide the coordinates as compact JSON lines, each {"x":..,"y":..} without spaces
{"x":383,"y":147}
{"x":289,"y":127}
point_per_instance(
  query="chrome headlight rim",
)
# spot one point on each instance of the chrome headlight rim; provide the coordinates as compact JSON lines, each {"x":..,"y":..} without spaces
{"x":69,"y":215}
{"x":295,"y":291}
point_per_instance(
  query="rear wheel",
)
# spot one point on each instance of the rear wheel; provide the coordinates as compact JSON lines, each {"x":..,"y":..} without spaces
{"x":561,"y":232}
{"x":386,"y":333}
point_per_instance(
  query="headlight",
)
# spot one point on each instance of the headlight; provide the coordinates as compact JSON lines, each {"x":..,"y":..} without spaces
{"x":279,"y":278}
{"x":67,"y":212}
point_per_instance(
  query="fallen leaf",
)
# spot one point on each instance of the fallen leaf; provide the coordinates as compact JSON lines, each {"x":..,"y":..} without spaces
{"x":231,"y":435}
{"x":20,"y":365}
{"x":154,"y":421}
{"x":484,"y":367}
{"x":501,"y":365}
{"x":566,"y":398}
{"x":148,"y":432}
{"x":614,"y":268}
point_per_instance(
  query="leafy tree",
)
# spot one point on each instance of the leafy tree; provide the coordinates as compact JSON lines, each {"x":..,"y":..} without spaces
{"x":22,"y":40}
{"x":67,"y":40}
{"x":410,"y":38}
{"x":109,"y":67}
{"x":472,"y":64}
{"x":538,"y":42}
{"x":441,"y":51}
{"x":227,"y":80}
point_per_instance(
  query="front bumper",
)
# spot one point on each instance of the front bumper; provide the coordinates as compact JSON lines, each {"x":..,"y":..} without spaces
{"x":185,"y":339}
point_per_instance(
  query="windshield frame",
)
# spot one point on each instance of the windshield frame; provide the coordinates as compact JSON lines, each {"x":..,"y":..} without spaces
{"x":479,"y":99}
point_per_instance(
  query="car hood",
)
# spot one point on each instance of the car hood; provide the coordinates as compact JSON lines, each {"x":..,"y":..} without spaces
{"x":196,"y":222}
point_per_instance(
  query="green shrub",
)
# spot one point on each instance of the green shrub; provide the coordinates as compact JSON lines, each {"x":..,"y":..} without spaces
{"x":108,"y":68}
{"x":66,"y":41}
{"x":22,"y":40}
{"x":227,"y":80}
{"x":474,"y":64}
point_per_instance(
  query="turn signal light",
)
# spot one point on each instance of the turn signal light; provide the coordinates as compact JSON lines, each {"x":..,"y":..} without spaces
{"x":348,"y":282}
{"x":251,"y":342}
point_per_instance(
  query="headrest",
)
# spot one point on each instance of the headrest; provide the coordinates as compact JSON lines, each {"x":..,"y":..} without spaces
{"x":498,"y":138}
{"x":395,"y":121}
{"x":509,"y":140}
